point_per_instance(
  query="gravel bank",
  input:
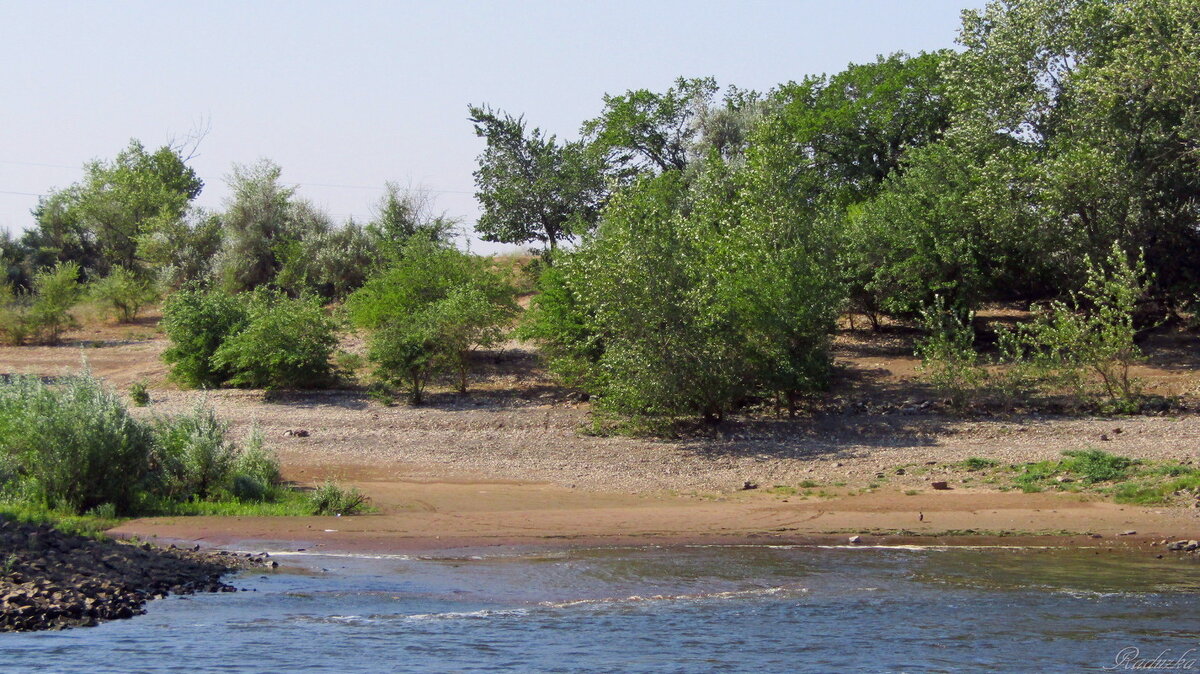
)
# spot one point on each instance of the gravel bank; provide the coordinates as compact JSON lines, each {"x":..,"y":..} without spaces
{"x":539,"y":439}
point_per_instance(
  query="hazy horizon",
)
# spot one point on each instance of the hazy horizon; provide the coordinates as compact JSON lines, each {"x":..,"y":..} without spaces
{"x":347,"y":96}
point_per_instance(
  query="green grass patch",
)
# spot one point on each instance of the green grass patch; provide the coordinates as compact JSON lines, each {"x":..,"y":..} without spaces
{"x":978,"y":463}
{"x":1094,"y":465}
{"x":288,"y":502}
{"x":90,"y":525}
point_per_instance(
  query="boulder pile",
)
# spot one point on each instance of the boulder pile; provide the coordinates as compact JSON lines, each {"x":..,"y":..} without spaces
{"x":53,"y":580}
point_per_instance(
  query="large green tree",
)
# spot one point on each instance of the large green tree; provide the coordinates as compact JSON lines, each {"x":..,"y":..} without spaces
{"x":641,"y":131}
{"x":102,"y":220}
{"x":531,"y":186}
{"x":1100,"y":100}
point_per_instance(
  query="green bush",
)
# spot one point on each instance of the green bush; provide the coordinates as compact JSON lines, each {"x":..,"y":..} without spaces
{"x":72,"y":445}
{"x":947,"y":352}
{"x":55,"y":292}
{"x":427,"y":311}
{"x":139,"y":394}
{"x":285,"y":343}
{"x":198,"y":321}
{"x":259,"y":339}
{"x":255,"y":473}
{"x":194,"y":454}
{"x":691,"y":299}
{"x":15,"y":325}
{"x":331,"y":499}
{"x":1095,"y":334}
{"x":123,"y":293}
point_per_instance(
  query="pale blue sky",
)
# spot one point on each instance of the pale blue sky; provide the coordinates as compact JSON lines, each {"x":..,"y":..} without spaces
{"x":355,"y":93}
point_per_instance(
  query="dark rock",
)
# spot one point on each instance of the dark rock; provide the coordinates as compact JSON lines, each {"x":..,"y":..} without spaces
{"x":56,"y":580}
{"x":940,"y":485}
{"x":749,"y":485}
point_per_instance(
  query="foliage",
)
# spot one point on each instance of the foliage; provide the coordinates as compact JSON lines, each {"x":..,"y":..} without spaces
{"x":255,"y":473}
{"x":1098,"y":99}
{"x":920,"y":238}
{"x":690,"y":298}
{"x":1096,"y":334}
{"x":55,"y":292}
{"x":261,"y":339}
{"x":260,"y":215}
{"x":947,"y":353}
{"x":99,"y":222}
{"x":852,"y":130}
{"x":193,"y":453}
{"x":401,"y":215}
{"x":182,"y":250}
{"x":427,"y":311}
{"x":563,"y":325}
{"x":665,"y":352}
{"x":139,"y":394}
{"x":642,"y":132}
{"x":198,"y":321}
{"x":530,"y":186}
{"x":284,"y":343}
{"x":15,"y":326}
{"x":123,"y":293}
{"x":71,"y":445}
{"x":331,"y":499}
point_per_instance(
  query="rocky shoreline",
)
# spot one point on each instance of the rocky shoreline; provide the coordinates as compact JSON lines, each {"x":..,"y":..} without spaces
{"x":53,"y":580}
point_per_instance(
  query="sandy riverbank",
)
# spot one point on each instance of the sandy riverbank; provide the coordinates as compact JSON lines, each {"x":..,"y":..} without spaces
{"x":425,"y":516}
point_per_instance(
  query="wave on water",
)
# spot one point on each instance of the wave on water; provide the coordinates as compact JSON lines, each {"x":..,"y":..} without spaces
{"x":341,"y":555}
{"x":634,"y":599}
{"x":354,"y":620}
{"x":502,"y":555}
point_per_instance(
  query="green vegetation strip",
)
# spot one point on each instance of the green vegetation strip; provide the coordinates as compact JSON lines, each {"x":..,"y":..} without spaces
{"x":72,"y":455}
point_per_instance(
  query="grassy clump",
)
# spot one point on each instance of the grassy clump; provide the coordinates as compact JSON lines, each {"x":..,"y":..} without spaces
{"x":71,"y":446}
{"x":979,"y":463}
{"x":331,"y":499}
{"x":1126,"y":479}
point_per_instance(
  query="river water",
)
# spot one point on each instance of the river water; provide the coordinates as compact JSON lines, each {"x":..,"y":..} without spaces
{"x":661,"y":609}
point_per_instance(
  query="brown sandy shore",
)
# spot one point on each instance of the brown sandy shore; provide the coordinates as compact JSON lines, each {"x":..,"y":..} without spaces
{"x":445,"y":516}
